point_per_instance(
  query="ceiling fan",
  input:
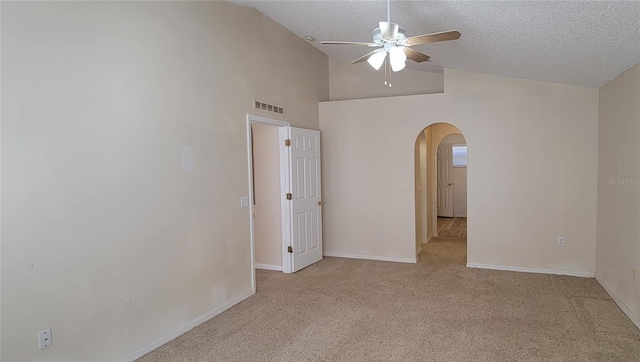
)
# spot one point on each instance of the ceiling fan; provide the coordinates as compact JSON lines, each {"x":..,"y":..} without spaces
{"x":392,"y":39}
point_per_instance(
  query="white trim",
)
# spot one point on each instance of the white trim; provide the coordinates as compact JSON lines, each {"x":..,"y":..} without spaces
{"x":428,"y":240}
{"x":268,"y":267}
{"x":260,"y":119}
{"x":419,"y":250}
{"x":371,"y":257}
{"x":572,"y":273}
{"x":185,"y":328}
{"x":620,"y":303}
{"x":285,"y":205}
{"x":251,"y":226}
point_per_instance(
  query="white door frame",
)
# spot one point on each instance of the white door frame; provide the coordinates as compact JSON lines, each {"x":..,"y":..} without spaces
{"x":284,"y":171}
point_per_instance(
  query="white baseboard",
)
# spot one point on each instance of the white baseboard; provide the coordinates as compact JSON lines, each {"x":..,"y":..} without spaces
{"x":419,"y":250}
{"x":371,"y":257}
{"x":532,"y":270}
{"x":428,"y":240}
{"x":620,"y":303}
{"x":186,"y":328}
{"x":268,"y":266}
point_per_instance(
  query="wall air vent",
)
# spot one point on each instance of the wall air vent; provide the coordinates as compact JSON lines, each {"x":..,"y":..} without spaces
{"x":267,"y":107}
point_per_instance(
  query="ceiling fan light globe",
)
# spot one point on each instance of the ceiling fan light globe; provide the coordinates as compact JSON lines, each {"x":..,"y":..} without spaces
{"x":397,"y":67}
{"x":377,"y":59}
{"x":398,"y":59}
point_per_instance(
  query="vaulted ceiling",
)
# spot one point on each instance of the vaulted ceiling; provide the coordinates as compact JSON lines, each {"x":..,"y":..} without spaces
{"x":583,"y":43}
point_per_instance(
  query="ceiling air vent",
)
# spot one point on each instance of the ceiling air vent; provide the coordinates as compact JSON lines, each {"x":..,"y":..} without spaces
{"x":267,"y":107}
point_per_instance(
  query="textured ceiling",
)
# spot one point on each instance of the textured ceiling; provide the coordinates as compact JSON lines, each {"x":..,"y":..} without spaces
{"x":583,"y":43}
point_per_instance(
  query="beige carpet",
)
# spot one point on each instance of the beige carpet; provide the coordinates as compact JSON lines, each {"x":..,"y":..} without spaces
{"x":437,"y":310}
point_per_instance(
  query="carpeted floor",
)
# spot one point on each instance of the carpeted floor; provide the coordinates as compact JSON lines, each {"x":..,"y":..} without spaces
{"x":452,"y":227}
{"x":437,"y":310}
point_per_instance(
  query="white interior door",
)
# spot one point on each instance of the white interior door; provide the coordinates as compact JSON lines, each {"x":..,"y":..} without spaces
{"x":445,"y":180}
{"x":304,"y":207}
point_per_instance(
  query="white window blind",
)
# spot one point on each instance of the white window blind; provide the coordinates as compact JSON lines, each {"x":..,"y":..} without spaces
{"x":459,"y":156}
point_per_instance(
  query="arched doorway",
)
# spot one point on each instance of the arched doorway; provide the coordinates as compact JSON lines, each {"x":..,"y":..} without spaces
{"x":440,"y":194}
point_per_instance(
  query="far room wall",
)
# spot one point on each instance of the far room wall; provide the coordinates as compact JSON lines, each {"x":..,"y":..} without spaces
{"x":618,"y":239}
{"x":531,"y":173}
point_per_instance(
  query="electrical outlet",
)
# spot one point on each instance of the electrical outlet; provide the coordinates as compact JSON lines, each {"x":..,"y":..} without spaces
{"x":560,"y":240}
{"x":378,"y":232}
{"x":44,"y":339}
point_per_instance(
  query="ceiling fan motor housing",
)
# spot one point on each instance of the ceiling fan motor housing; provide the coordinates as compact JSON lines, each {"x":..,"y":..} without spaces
{"x":402,"y":37}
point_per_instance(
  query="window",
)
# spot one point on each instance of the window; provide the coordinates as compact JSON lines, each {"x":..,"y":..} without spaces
{"x":459,"y":155}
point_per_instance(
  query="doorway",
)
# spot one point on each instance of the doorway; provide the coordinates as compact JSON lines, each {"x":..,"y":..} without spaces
{"x":284,"y":195}
{"x":266,"y":200}
{"x":260,"y":136}
{"x":441,"y":195}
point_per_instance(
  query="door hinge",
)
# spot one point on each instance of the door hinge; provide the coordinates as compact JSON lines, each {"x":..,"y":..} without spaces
{"x":287,"y":143}
{"x":289,"y":196}
{"x":289,"y":249}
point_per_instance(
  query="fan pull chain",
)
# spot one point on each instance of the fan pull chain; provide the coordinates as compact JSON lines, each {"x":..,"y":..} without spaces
{"x":390,"y":74}
{"x":385,"y":71}
{"x":387,"y":83}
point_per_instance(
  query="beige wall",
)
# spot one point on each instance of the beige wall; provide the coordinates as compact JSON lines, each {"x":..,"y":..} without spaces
{"x":533,"y":150}
{"x":455,"y":139}
{"x":365,"y":184}
{"x":460,"y":192}
{"x":618,"y":236}
{"x":418,"y":188}
{"x":544,"y":134}
{"x":267,"y":215}
{"x":357,"y":81}
{"x":104,"y":238}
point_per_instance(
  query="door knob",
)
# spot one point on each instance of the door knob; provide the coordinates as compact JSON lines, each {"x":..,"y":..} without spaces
{"x":320,"y":202}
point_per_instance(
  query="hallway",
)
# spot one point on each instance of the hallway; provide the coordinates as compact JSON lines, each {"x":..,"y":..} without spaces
{"x":452,"y":227}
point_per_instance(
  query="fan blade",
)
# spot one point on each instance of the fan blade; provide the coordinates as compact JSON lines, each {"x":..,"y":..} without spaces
{"x":432,"y":38}
{"x":389,"y":31}
{"x":415,"y":55}
{"x":331,"y":42}
{"x":365,"y":57}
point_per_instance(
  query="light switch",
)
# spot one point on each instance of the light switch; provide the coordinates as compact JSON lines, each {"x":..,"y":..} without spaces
{"x":244,"y":201}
